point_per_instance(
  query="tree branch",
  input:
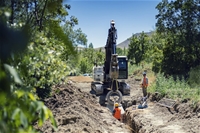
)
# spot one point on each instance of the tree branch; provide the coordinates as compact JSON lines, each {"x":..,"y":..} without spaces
{"x":45,"y":5}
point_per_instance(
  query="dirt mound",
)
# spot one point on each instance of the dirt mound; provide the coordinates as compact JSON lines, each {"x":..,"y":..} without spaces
{"x":82,"y":79}
{"x":79,"y":112}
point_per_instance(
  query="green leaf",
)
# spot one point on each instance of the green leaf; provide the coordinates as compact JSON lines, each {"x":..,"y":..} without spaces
{"x":40,"y":122}
{"x":13,"y":73}
{"x":39,"y":105}
{"x":15,"y":113}
{"x":46,"y":113}
{"x":23,"y":120}
{"x":19,"y":93}
{"x":42,"y":117}
{"x":31,"y":96}
{"x":53,"y":121}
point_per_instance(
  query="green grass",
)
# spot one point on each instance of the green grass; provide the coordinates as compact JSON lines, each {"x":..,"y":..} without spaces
{"x":168,"y":87}
{"x":138,"y":69}
{"x":177,"y":90}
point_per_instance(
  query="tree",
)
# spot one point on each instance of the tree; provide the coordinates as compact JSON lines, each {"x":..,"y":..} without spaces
{"x":84,"y":65}
{"x":138,"y":48}
{"x":178,"y":22}
{"x":91,"y":45}
{"x":41,"y":16}
{"x":119,"y":51}
{"x":100,"y":56}
{"x":100,"y":50}
{"x":124,"y":51}
{"x":155,"y":52}
{"x":133,"y":53}
{"x":77,"y":37}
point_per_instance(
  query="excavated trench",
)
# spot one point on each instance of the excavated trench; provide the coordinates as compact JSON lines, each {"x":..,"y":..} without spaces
{"x":93,"y":118}
{"x":182,"y":118}
{"x":127,"y":118}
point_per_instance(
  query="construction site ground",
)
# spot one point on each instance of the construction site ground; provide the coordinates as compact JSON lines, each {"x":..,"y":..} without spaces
{"x":77,"y":110}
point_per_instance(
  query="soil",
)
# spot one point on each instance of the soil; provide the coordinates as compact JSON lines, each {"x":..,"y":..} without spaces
{"x":77,"y":110}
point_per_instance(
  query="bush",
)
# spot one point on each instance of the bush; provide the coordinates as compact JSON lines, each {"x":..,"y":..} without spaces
{"x":170,"y":88}
{"x":44,"y":64}
{"x":19,"y":106}
{"x":194,"y":77}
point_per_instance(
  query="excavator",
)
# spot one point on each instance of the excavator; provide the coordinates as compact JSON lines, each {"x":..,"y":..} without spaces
{"x":109,"y":79}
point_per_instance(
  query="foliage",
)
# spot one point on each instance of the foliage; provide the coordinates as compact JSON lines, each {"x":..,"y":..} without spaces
{"x":84,"y":65}
{"x":138,"y":48}
{"x":77,"y":37}
{"x":19,"y":106}
{"x":35,"y":13}
{"x":44,"y":64}
{"x":119,"y":51}
{"x":50,"y":46}
{"x":40,"y":65}
{"x":194,"y":77}
{"x":170,"y":88}
{"x":177,"y":22}
{"x":133,"y":68}
{"x":91,"y":45}
{"x":125,"y":51}
{"x":87,"y":58}
{"x":155,"y":51}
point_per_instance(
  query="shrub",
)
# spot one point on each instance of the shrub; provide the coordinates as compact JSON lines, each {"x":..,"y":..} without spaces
{"x":170,"y":88}
{"x":194,"y":77}
{"x":44,"y":64}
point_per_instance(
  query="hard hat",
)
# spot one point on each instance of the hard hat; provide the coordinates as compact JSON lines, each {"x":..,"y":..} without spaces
{"x":116,"y":104}
{"x":144,"y":73}
{"x":112,"y":22}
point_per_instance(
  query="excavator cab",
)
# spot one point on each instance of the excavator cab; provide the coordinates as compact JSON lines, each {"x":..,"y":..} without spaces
{"x":123,"y":67}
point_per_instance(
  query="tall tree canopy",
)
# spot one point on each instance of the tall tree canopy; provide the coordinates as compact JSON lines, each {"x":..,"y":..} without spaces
{"x":178,"y":22}
{"x":91,"y":45}
{"x":138,"y":48}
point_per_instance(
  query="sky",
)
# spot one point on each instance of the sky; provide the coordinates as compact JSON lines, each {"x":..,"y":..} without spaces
{"x":130,"y":16}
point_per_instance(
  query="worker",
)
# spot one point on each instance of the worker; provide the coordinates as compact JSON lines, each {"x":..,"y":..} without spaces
{"x":117,"y":112}
{"x":143,"y":103}
{"x":144,"y":84}
{"x":112,"y":32}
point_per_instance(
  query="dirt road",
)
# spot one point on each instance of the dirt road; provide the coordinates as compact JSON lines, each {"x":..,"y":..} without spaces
{"x":77,"y":110}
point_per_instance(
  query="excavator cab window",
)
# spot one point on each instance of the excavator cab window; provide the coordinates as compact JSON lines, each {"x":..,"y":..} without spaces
{"x":123,"y":67}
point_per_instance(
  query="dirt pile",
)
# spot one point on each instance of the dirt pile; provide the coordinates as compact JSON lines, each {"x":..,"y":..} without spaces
{"x":79,"y":112}
{"x":83,"y":79}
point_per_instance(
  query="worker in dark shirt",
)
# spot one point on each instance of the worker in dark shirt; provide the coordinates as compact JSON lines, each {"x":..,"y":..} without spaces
{"x":112,"y":33}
